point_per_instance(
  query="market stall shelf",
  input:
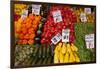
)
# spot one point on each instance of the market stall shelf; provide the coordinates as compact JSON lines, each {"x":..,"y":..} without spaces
{"x":48,"y":34}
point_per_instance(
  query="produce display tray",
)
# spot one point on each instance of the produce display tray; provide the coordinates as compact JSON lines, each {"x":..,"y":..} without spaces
{"x":50,"y":34}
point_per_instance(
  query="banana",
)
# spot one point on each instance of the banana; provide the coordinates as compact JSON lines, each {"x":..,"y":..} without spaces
{"x":71,"y":58}
{"x":66,"y":57}
{"x":19,"y":7}
{"x":56,"y":58}
{"x":68,"y":48}
{"x":63,"y":49}
{"x":73,"y":47}
{"x":61,"y":58}
{"x":66,"y":53}
{"x":59,"y":46}
{"x":56,"y":49}
{"x":77,"y":59}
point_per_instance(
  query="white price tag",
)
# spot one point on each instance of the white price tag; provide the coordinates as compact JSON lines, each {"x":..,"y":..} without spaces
{"x":83,"y":17}
{"x":65,"y":35}
{"x":36,"y":9}
{"x":87,"y":10}
{"x":24,"y":14}
{"x":57,"y":16}
{"x":56,"y":38}
{"x":89,"y":40}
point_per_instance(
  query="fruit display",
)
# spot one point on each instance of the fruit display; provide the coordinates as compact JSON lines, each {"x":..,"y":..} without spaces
{"x":66,"y":53}
{"x":19,"y":8}
{"x":89,"y":14}
{"x":53,"y":34}
{"x":25,"y":29}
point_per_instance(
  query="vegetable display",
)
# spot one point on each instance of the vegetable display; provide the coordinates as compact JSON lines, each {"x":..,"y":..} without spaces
{"x":51,"y":28}
{"x":30,"y":55}
{"x":53,"y":34}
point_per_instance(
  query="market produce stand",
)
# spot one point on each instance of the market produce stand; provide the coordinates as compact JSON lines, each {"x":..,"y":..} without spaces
{"x":49,"y":34}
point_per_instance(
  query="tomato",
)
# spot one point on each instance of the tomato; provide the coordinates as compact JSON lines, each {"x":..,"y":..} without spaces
{"x":43,"y":41}
{"x":51,"y":28}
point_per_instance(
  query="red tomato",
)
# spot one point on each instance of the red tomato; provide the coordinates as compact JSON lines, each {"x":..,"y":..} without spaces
{"x":43,"y":41}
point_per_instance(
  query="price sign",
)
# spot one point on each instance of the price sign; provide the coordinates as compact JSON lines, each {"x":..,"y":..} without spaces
{"x":87,"y":10}
{"x":56,"y":38}
{"x":83,"y":17}
{"x":36,"y":9}
{"x":89,"y":39}
{"x":24,"y":14}
{"x":57,"y":16}
{"x":65,"y":35}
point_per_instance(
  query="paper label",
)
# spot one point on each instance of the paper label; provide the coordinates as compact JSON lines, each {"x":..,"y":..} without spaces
{"x":57,"y":16}
{"x":36,"y":9}
{"x":83,"y":17}
{"x":24,"y":14}
{"x":65,"y":35}
{"x":87,"y":10}
{"x":56,"y":38}
{"x":89,"y":40}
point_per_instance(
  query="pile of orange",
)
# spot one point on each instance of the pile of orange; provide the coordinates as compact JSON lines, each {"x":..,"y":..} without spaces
{"x":25,"y":29}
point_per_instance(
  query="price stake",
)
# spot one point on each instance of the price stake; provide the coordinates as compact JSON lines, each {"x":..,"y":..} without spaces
{"x":56,"y":38}
{"x":36,"y":9}
{"x":89,"y":40}
{"x":65,"y":35}
{"x":57,"y":16}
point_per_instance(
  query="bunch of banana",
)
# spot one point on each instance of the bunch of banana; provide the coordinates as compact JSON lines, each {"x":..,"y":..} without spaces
{"x":19,"y":7}
{"x":90,"y":18}
{"x":65,"y":53}
{"x":77,"y":12}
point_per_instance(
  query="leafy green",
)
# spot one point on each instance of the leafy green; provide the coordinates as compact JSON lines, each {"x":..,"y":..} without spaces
{"x":81,"y":29}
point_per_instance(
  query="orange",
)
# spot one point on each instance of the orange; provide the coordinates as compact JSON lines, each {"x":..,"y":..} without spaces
{"x":20,"y":41}
{"x":31,"y":16}
{"x":28,"y":25}
{"x":17,"y":30}
{"x":24,"y":30}
{"x":21,"y":36}
{"x":30,"y":30}
{"x":32,"y":36}
{"x":26,"y":36}
{"x":34,"y":22}
{"x":27,"y":20}
{"x":24,"y":41}
{"x":34,"y":26}
{"x":30,"y":41}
